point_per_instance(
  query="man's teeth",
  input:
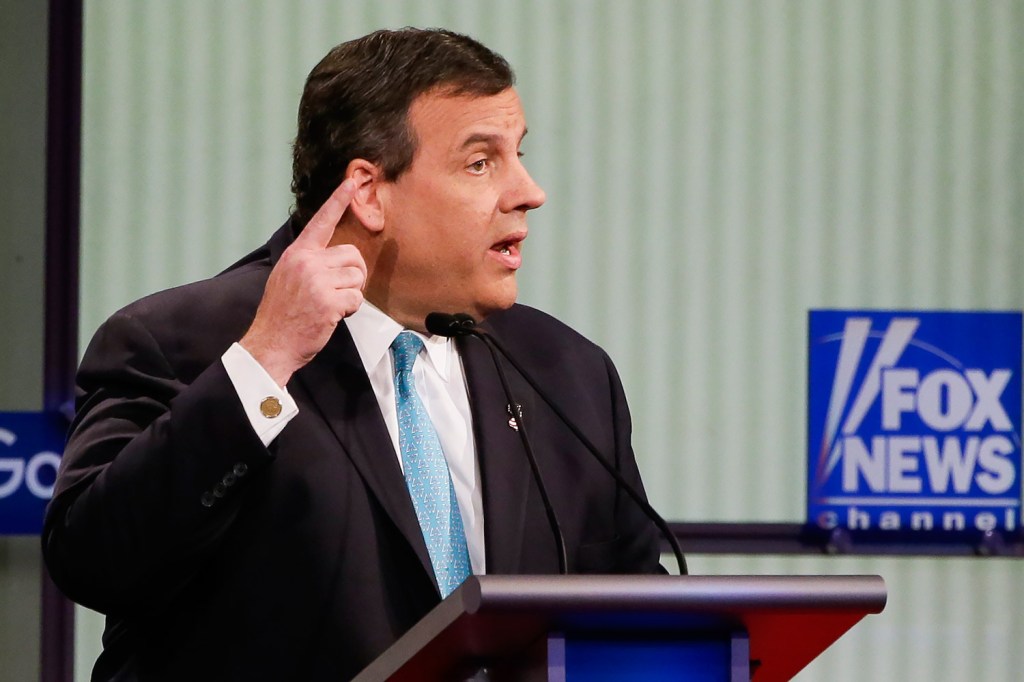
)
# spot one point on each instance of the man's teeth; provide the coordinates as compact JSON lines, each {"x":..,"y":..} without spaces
{"x":504,"y":251}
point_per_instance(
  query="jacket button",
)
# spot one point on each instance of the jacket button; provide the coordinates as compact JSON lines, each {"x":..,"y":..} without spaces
{"x":219,"y":490}
{"x":207,"y":499}
{"x":241,"y":469}
{"x":229,"y":479}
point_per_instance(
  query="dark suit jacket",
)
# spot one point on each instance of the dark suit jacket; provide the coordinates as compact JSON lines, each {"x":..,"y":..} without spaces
{"x":310,"y":562}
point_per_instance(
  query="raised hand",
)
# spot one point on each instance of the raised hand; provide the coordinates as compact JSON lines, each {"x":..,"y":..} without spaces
{"x":310,"y":290}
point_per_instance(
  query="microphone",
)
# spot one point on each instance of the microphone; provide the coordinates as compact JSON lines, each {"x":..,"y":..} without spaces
{"x":461,"y":324}
{"x":443,"y":324}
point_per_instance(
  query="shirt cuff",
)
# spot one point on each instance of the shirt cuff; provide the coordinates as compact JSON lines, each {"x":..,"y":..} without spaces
{"x":268,"y":406}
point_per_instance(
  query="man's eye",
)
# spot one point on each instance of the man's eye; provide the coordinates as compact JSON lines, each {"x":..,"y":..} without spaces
{"x":478,"y":166}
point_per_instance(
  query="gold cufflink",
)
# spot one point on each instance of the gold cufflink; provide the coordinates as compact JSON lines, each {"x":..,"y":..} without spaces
{"x":270,"y":407}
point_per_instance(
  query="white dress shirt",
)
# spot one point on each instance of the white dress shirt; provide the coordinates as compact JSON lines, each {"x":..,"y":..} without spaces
{"x":440,"y":382}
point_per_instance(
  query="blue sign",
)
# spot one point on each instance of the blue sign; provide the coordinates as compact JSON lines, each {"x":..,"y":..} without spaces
{"x":914,"y":421}
{"x":30,"y":447}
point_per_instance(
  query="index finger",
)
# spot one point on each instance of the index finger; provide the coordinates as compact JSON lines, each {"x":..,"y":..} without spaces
{"x":318,"y":231}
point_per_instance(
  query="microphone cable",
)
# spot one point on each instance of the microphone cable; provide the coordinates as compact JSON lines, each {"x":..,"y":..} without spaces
{"x":461,"y":324}
{"x":438,"y":323}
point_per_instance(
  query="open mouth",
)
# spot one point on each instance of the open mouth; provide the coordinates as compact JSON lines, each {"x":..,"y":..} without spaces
{"x":508,"y":250}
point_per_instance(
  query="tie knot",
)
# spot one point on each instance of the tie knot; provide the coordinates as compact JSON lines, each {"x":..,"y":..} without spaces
{"x":405,"y":348}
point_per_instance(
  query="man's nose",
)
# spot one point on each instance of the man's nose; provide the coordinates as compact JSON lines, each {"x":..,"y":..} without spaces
{"x":524,"y":193}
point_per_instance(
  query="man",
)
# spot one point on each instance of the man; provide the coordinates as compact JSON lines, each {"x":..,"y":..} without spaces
{"x":239,"y":493}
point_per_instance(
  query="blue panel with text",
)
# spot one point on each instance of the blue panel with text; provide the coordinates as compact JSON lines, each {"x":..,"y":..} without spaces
{"x":914,"y":421}
{"x":30,"y":447}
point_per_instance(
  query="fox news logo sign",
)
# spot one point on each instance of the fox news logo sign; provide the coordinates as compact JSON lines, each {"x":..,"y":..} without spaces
{"x":914,"y":421}
{"x":29,"y":447}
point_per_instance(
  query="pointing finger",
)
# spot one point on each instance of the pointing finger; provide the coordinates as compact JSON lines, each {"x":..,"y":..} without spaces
{"x":320,"y":228}
{"x":345,"y":256}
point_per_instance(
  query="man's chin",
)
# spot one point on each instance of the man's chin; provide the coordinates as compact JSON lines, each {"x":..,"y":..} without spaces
{"x":486,"y":302}
{"x":499,"y":303}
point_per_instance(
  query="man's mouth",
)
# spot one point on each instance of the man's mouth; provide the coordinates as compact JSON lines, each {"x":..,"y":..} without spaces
{"x":508,"y":250}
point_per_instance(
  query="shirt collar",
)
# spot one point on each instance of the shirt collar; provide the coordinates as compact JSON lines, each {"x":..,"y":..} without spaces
{"x":373,"y":333}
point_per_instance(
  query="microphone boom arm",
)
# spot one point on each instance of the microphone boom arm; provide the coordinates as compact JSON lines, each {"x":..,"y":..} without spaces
{"x":609,"y":467}
{"x":556,"y":529}
{"x":461,"y":324}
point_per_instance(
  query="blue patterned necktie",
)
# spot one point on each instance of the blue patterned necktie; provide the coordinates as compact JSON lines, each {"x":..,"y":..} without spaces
{"x":426,"y":473}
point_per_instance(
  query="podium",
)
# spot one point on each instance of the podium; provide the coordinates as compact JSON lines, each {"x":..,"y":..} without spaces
{"x":581,"y":628}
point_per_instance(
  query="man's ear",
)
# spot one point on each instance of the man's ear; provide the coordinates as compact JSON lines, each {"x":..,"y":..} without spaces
{"x":366,"y":202}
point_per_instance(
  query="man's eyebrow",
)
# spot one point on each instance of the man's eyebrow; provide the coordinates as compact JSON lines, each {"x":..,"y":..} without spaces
{"x":486,"y":138}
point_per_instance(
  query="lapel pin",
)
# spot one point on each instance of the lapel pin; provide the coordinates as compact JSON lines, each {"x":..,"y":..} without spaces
{"x":512,"y":424}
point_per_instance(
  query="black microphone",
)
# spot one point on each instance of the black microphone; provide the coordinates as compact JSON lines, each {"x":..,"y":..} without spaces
{"x":443,"y":324}
{"x":461,"y":324}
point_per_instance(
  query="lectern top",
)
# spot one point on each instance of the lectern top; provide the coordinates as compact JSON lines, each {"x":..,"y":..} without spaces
{"x":789,"y":619}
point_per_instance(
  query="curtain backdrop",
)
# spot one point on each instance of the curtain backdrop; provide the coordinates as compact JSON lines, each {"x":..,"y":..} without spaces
{"x":714,"y":170}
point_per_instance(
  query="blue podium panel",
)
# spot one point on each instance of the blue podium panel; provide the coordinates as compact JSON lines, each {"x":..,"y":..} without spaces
{"x":653,"y":660}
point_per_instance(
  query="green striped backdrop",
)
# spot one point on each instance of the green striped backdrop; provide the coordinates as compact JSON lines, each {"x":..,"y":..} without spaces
{"x":714,"y":170}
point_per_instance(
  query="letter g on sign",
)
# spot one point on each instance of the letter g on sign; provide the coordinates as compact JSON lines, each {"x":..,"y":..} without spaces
{"x":12,"y":466}
{"x":18,"y":473}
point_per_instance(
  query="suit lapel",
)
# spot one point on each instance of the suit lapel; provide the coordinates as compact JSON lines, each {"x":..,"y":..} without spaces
{"x":337,"y":384}
{"x":504,"y":470}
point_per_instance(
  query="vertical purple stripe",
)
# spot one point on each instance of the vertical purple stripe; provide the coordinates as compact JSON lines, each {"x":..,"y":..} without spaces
{"x":63,"y":146}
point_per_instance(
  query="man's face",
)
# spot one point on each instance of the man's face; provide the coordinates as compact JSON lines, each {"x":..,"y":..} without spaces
{"x":454,"y":222}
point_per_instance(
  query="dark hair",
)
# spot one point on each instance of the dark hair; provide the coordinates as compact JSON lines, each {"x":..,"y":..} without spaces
{"x":356,"y":103}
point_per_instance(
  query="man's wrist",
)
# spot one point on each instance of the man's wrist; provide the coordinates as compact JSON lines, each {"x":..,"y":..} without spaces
{"x":275,"y":363}
{"x":268,"y":406}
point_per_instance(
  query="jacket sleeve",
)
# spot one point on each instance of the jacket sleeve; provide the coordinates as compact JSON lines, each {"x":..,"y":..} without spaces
{"x":638,"y":546}
{"x":153,"y":474}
